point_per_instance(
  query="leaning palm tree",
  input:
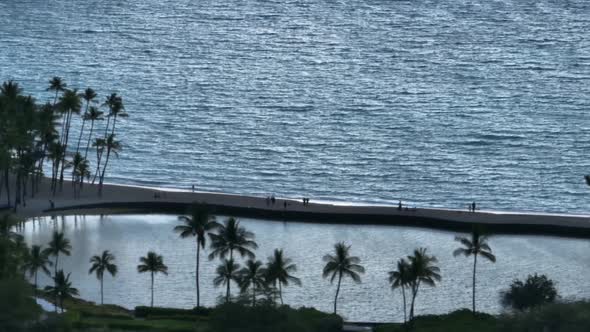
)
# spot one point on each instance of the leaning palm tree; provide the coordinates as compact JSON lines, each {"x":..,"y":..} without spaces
{"x":88,"y":95}
{"x":226,"y":273}
{"x":252,"y":275}
{"x":229,"y":237}
{"x":152,"y":263}
{"x":100,"y":264}
{"x":476,"y":246}
{"x":56,"y":84}
{"x":342,"y":264}
{"x":58,"y":244}
{"x":62,"y":289}
{"x":114,"y":147}
{"x":36,"y":260}
{"x":197,"y":225}
{"x":422,"y":271}
{"x":400,"y":278}
{"x":279,"y":269}
{"x":92,"y":115}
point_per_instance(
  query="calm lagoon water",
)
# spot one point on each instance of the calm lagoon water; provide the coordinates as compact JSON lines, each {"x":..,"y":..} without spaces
{"x":435,"y":102}
{"x":131,"y":236}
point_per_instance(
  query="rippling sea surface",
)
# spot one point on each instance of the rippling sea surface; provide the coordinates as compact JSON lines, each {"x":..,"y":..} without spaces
{"x":128,"y":237}
{"x":438,"y":103}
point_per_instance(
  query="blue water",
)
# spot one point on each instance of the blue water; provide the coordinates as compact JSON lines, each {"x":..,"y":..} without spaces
{"x":438,"y":103}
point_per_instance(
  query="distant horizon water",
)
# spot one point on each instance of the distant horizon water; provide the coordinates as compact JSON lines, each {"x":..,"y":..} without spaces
{"x":436,"y":104}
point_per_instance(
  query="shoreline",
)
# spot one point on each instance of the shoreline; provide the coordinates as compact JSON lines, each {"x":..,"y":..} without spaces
{"x":137,"y":199}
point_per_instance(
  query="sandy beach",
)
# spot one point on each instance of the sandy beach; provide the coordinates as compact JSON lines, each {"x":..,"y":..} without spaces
{"x":136,"y":199}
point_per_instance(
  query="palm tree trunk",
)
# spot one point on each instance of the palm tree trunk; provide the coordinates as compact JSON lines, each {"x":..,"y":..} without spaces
{"x":253,"y":295}
{"x":227,"y":291}
{"x":337,"y":291}
{"x":82,"y":130}
{"x":104,"y":168}
{"x":415,"y":288}
{"x":35,"y":282}
{"x":152,"y":289}
{"x":6,"y":182}
{"x":56,"y":260}
{"x":404,"y":297}
{"x":89,"y":138}
{"x":65,"y":145}
{"x":281,"y":292}
{"x":474,"y":266}
{"x":101,"y":291}
{"x":197,"y":274}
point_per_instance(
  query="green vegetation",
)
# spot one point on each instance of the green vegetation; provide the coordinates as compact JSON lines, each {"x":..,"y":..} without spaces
{"x":278,"y":271}
{"x":458,"y":321}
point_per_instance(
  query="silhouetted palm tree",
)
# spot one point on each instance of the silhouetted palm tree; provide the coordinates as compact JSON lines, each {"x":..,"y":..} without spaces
{"x":102,"y":263}
{"x":37,"y":259}
{"x":198,"y":225}
{"x":476,"y":246}
{"x":111,"y":146}
{"x":56,"y":84}
{"x":92,"y":115}
{"x":69,"y":103}
{"x":279,"y":269}
{"x":342,"y":264}
{"x":152,"y":263}
{"x":422,"y":271}
{"x":89,"y":95}
{"x":226,"y":272}
{"x":62,"y":289}
{"x":229,"y":237}
{"x":252,"y":275}
{"x":399,"y":279}
{"x":58,"y":244}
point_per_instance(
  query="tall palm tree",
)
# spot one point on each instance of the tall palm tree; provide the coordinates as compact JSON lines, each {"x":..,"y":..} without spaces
{"x":56,"y":84}
{"x":88,"y":95}
{"x":111,"y":146}
{"x":399,"y":279}
{"x":227,"y":272}
{"x":197,"y":225}
{"x":422,"y":271}
{"x":69,"y":103}
{"x":117,"y":110}
{"x":92,"y":115}
{"x":99,"y":144}
{"x":58,"y":244}
{"x":102,"y":263}
{"x":37,"y":259}
{"x":252,"y":275}
{"x":229,"y":237}
{"x":342,"y":264}
{"x":279,"y":269}
{"x":152,"y":263}
{"x":476,"y":246}
{"x":62,"y":289}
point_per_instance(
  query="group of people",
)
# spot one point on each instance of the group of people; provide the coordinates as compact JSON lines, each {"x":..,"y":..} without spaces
{"x":305,"y":201}
{"x":472,"y":207}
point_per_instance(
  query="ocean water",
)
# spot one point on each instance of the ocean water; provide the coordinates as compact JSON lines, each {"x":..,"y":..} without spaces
{"x":438,"y":103}
{"x":129,"y":237}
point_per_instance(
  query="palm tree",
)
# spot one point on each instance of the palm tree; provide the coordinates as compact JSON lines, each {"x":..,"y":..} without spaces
{"x":99,"y":144}
{"x":230,"y":237}
{"x":69,"y":103}
{"x":342,"y":264}
{"x":279,"y":269}
{"x":89,"y":95}
{"x":93,"y":115}
{"x":252,"y":275}
{"x":100,"y":264}
{"x":58,"y":244}
{"x":62,"y":289}
{"x":197,"y":225}
{"x":114,"y":147}
{"x":56,"y":84}
{"x":476,"y":246}
{"x":399,"y":279}
{"x":152,"y":263}
{"x":226,"y":272}
{"x":37,"y":259}
{"x":422,"y":271}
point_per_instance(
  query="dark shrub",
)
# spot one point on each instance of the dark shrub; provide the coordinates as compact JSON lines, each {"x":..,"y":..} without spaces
{"x":535,"y":291}
{"x":557,"y":317}
{"x":267,"y":318}
{"x":143,"y":312}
